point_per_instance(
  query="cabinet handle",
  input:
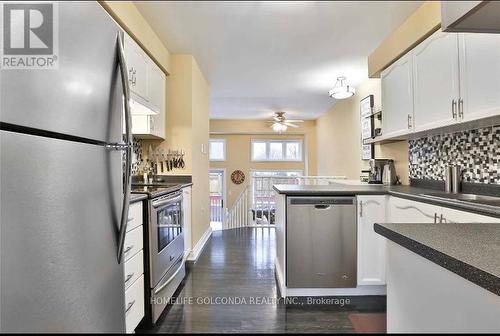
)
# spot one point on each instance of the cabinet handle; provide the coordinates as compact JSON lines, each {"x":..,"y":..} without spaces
{"x":442,"y":219}
{"x":151,"y":124}
{"x":129,"y":306}
{"x":360,"y":208}
{"x":454,"y":109}
{"x":461,"y":108}
{"x":130,"y":276}
{"x":409,"y":121}
{"x":435,"y":218}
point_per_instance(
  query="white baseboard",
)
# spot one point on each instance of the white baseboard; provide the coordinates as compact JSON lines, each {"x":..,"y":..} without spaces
{"x":198,"y":247}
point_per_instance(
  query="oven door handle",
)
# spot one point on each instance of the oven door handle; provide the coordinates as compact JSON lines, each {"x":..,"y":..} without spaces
{"x":169,"y":280}
{"x":167,"y":201}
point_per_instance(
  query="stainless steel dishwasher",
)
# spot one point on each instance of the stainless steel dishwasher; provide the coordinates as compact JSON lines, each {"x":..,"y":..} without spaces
{"x":321,"y":242}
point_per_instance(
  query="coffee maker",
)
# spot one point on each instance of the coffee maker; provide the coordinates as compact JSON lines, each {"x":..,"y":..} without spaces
{"x":382,"y":171}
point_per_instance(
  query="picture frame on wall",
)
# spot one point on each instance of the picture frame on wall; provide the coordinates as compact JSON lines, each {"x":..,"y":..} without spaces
{"x":366,"y":119}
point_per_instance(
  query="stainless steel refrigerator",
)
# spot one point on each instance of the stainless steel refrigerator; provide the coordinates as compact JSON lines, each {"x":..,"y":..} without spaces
{"x":65,"y":176}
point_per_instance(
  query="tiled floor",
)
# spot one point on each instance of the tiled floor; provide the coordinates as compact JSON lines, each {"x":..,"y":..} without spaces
{"x":238,"y":264}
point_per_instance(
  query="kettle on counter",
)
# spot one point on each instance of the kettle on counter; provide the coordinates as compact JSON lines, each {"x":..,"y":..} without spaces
{"x":389,"y":173}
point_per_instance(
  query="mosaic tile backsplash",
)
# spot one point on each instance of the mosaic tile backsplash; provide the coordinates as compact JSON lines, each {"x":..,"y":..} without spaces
{"x":476,"y":151}
{"x":136,"y":156}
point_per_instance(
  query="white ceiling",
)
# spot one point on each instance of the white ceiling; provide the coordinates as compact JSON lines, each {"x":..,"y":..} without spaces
{"x":261,"y":57}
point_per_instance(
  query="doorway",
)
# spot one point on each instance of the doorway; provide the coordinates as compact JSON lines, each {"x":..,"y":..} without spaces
{"x":217,"y":178}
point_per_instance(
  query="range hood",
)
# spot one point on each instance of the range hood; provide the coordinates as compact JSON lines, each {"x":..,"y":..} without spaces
{"x":470,"y":16}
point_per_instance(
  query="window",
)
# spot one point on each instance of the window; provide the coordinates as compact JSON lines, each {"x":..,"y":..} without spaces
{"x":276,"y":150}
{"x":217,"y":150}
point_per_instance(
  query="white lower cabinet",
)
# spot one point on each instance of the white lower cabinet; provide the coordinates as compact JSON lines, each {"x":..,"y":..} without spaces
{"x":134,"y":304}
{"x":458,"y":216}
{"x":133,"y":275}
{"x":405,"y":211}
{"x":371,"y":246}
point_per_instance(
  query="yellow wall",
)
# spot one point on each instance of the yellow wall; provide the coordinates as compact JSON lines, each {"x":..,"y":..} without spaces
{"x":239,"y":133}
{"x":130,"y":19}
{"x":187,"y":129}
{"x":422,"y":23}
{"x":306,"y":129}
{"x":339,"y":138}
{"x":238,"y":156}
{"x":200,"y":130}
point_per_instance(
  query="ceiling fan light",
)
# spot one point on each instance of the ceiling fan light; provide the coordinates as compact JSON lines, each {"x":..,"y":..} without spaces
{"x":279,"y":127}
{"x":341,"y":90}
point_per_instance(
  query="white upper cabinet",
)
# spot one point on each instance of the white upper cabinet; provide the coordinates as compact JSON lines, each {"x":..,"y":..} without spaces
{"x":479,"y":75}
{"x":371,"y":246}
{"x":147,"y":84}
{"x":397,"y":98}
{"x":157,"y":94}
{"x":436,"y":81}
{"x":156,"y":83}
{"x":137,"y":64}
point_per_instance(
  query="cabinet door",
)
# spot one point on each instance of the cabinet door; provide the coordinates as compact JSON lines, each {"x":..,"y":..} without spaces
{"x":457,"y":216}
{"x":137,"y":64}
{"x":479,"y":75}
{"x":371,"y":246}
{"x":435,"y":75}
{"x":141,"y":124}
{"x":397,"y":98}
{"x":157,"y":94}
{"x":406,"y":211}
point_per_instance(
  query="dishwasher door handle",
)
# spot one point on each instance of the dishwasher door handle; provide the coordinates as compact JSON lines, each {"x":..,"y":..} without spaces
{"x":322,"y":206}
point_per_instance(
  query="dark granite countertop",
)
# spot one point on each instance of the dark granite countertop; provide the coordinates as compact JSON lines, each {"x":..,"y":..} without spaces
{"x":137,"y":197}
{"x":157,"y":189}
{"x":471,"y":251}
{"x":408,"y":192}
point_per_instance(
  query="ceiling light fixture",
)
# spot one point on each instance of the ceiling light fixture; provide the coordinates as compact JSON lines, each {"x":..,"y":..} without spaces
{"x":279,"y":127}
{"x":342,"y":90}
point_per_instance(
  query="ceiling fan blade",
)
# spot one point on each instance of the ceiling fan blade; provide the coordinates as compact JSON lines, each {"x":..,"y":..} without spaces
{"x":295,"y":120}
{"x":290,"y":124}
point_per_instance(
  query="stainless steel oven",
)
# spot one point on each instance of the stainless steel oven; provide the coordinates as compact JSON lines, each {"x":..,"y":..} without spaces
{"x":166,"y":248}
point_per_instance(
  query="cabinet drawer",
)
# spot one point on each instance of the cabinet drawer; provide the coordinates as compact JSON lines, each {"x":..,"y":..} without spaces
{"x":133,"y":243}
{"x":134,"y":268}
{"x":134,"y":304}
{"x":134,"y":216}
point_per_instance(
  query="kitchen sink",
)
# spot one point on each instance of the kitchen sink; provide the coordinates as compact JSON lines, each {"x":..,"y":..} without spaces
{"x":471,"y":198}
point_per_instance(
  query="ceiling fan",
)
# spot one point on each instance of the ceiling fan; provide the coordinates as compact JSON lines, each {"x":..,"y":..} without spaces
{"x":281,"y":124}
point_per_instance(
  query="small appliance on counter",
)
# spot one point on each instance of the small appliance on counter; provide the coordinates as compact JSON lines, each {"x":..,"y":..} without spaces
{"x":382,"y":171}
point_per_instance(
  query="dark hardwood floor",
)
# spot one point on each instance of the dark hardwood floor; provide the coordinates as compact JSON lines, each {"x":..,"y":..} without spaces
{"x":238,"y":264}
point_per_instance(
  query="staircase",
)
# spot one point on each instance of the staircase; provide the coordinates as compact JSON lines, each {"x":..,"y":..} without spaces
{"x":256,"y":204}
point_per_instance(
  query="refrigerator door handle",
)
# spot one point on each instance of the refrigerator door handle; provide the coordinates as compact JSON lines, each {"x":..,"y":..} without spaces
{"x":127,"y":147}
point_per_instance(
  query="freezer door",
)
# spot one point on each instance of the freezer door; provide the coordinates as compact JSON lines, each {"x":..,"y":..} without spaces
{"x":84,"y":96}
{"x":60,"y":208}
